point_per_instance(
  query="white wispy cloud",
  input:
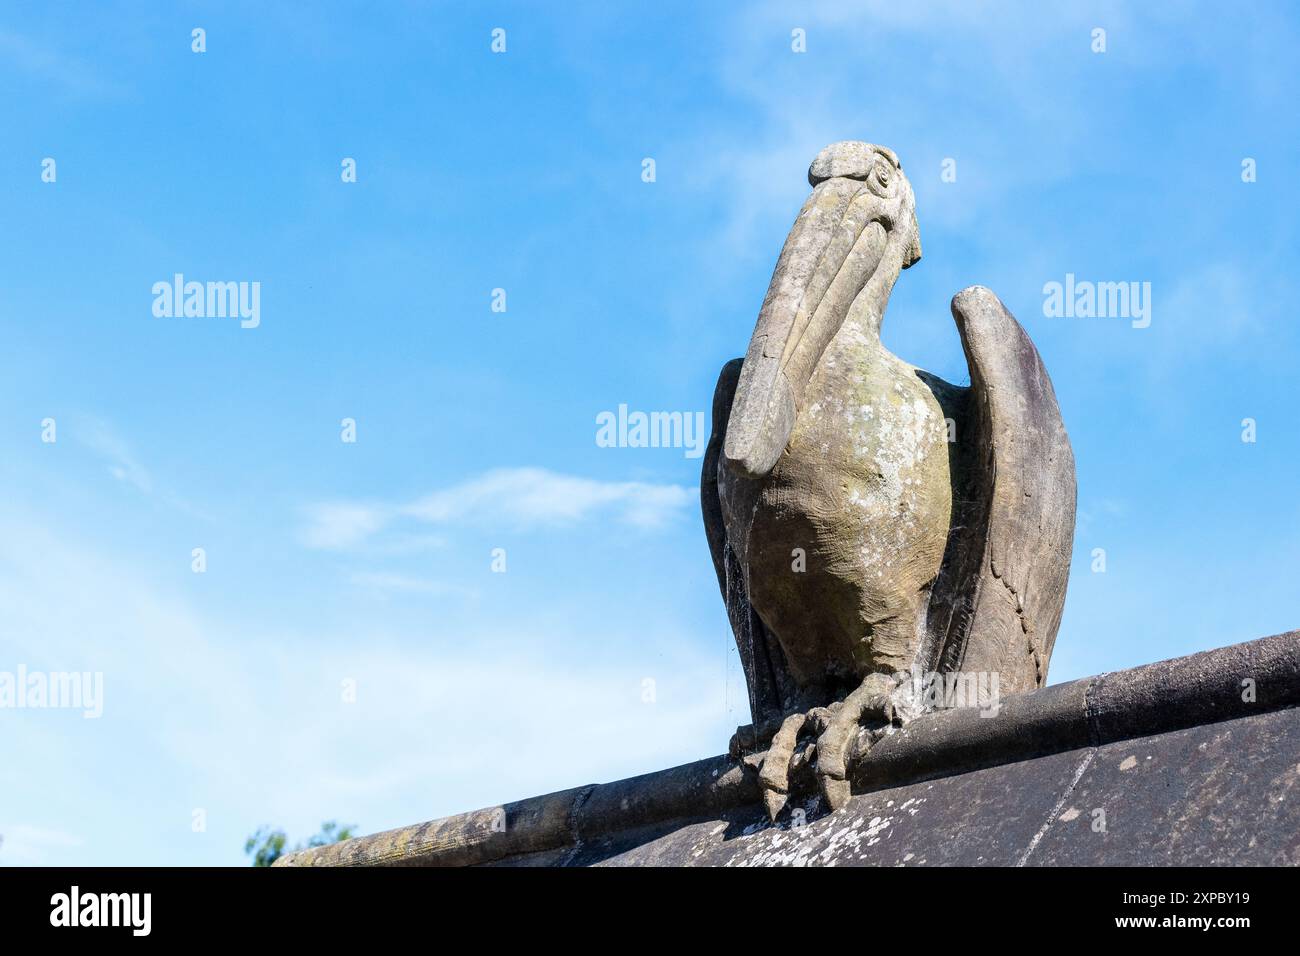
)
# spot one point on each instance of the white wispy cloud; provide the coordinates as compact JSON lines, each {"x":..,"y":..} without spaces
{"x":25,"y":845}
{"x":27,"y":55}
{"x":520,"y":498}
{"x":339,"y":525}
{"x":886,"y":96}
{"x":100,"y":438}
{"x":535,"y":496}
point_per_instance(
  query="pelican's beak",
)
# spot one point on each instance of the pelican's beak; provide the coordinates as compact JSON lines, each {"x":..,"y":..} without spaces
{"x":835,"y":247}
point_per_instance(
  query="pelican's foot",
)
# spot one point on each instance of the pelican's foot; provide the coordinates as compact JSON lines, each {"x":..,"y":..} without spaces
{"x":785,"y":757}
{"x":840,"y":734}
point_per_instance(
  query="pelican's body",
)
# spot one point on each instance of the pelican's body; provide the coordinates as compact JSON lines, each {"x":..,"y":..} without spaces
{"x":867,"y":519}
{"x":863,"y":489}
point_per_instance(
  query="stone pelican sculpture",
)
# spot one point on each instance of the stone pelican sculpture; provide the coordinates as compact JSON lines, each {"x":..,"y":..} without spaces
{"x":868,"y":520}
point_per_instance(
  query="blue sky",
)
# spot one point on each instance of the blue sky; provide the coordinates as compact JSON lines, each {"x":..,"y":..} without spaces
{"x":371,"y":562}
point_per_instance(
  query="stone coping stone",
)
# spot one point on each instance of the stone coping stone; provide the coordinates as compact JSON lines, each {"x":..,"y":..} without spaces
{"x":1191,"y":760}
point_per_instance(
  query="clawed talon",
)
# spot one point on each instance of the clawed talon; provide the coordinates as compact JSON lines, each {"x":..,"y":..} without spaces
{"x":748,"y":739}
{"x":837,"y":729}
{"x":743,"y":742}
{"x":775,"y":775}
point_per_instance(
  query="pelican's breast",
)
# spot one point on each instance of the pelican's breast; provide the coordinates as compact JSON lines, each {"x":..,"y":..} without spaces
{"x":864,"y":490}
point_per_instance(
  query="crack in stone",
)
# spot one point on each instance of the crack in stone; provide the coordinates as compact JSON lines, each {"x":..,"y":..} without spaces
{"x":1019,"y":604}
{"x":1056,"y":810}
{"x":579,"y":800}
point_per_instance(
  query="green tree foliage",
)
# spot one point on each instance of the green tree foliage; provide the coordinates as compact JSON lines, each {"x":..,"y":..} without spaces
{"x":268,"y":845}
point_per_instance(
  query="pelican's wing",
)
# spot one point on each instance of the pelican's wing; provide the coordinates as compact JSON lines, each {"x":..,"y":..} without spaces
{"x":997,"y":604}
{"x":766,"y":674}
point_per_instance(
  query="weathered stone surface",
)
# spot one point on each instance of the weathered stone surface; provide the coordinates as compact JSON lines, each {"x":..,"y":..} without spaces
{"x":980,"y":818}
{"x":1218,"y":794}
{"x":525,"y":826}
{"x":983,"y":788}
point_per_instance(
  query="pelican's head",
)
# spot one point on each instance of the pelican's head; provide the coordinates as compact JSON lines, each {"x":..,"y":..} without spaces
{"x":856,"y":232}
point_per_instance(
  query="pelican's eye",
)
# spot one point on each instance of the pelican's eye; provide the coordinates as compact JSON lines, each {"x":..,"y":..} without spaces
{"x":882,"y":174}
